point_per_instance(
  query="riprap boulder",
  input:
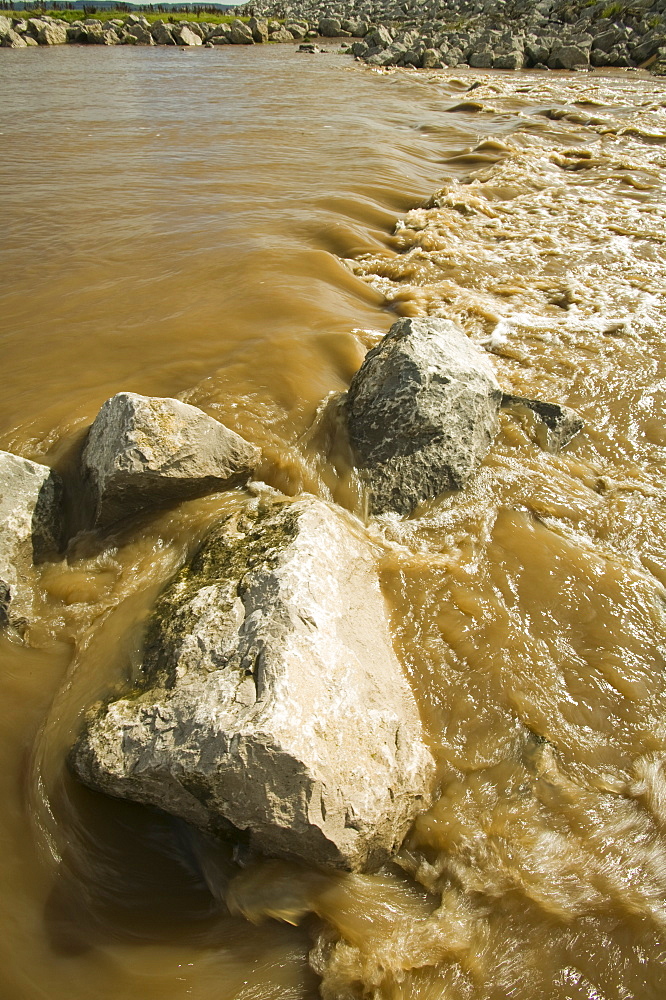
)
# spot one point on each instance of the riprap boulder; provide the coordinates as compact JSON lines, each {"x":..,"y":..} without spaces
{"x":145,"y":451}
{"x":422,"y":412}
{"x":272,"y":701}
{"x":556,"y":425}
{"x":30,"y":527}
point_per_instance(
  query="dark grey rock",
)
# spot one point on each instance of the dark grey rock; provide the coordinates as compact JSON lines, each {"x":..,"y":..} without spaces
{"x":557,"y":425}
{"x":509,"y":60}
{"x":162,"y":33}
{"x":271,"y":701}
{"x":608,"y":38}
{"x":329,"y":27}
{"x":422,"y":413}
{"x":359,"y":49}
{"x":431,"y":59}
{"x":381,"y":37}
{"x":143,"y":452}
{"x":481,"y":59}
{"x":648,"y":46}
{"x":565,"y":56}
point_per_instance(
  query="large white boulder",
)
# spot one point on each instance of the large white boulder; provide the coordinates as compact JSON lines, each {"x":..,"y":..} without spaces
{"x":271,"y":702}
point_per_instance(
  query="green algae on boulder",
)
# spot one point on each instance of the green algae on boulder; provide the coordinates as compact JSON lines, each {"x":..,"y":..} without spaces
{"x":272,"y":701}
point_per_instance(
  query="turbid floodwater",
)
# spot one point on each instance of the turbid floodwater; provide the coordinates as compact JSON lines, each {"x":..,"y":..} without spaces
{"x":237,"y":228}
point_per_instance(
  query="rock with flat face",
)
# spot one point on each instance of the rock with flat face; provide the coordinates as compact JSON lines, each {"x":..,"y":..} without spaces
{"x":10,"y":39}
{"x":568,"y":57}
{"x":144,"y":452}
{"x":556,"y":425}
{"x":240,"y":34}
{"x":272,"y":701}
{"x":259,"y":30}
{"x":421,"y":413}
{"x":54,"y":33}
{"x":186,"y":36}
{"x":162,"y":33}
{"x":329,"y":27}
{"x":30,"y":526}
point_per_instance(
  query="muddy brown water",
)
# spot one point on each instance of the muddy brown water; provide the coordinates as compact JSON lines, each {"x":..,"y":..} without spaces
{"x":237,"y":228}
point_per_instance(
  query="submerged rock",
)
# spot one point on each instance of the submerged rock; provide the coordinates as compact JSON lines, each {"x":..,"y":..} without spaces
{"x":272,"y":701}
{"x":144,"y":451}
{"x":421,"y":412}
{"x":557,"y":425}
{"x":30,"y":526}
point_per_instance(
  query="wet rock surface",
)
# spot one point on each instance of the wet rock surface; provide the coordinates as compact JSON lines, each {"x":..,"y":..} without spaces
{"x":30,"y":527}
{"x":145,"y":451}
{"x":271,"y":702}
{"x":556,"y":425}
{"x":421,"y":412}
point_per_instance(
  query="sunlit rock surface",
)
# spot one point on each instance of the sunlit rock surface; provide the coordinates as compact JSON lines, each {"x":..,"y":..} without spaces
{"x":271,"y":699}
{"x":144,"y":451}
{"x":422,"y":413}
{"x":30,"y":497}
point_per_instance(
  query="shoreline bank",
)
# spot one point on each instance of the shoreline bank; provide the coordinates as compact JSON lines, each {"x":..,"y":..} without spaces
{"x":548,"y":35}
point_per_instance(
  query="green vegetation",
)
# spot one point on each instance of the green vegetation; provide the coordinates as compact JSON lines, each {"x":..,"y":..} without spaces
{"x":108,"y":15}
{"x":613,"y":9}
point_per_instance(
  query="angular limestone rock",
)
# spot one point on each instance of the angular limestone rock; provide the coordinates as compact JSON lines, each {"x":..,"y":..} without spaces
{"x":144,"y":451}
{"x":557,"y":425}
{"x":188,"y":37}
{"x":30,"y":526}
{"x":272,"y":700}
{"x":421,"y":413}
{"x":54,"y":33}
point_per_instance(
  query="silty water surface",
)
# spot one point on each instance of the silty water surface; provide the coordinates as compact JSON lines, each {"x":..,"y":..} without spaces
{"x":222,"y":225}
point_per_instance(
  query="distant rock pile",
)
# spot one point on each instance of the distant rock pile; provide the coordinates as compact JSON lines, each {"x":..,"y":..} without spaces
{"x":16,"y":33}
{"x":497,"y":34}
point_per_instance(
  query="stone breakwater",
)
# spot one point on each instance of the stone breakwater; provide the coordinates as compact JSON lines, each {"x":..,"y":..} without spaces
{"x":136,"y":30}
{"x":502,"y":34}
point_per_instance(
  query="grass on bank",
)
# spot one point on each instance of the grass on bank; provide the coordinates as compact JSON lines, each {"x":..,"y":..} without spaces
{"x":121,"y":15}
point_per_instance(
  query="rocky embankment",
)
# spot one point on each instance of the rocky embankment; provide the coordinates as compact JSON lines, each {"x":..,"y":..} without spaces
{"x":501,"y":34}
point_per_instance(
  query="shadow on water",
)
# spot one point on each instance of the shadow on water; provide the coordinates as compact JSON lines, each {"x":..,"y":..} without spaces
{"x":130,"y":874}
